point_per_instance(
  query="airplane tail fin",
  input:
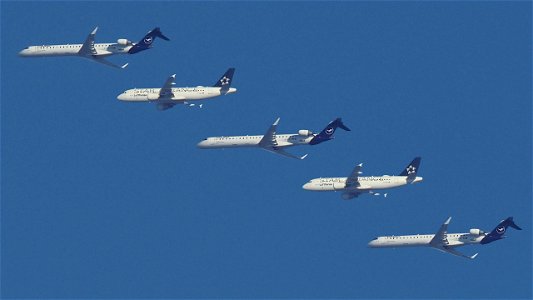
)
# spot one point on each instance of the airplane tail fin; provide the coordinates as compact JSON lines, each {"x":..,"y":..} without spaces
{"x":411,"y":170}
{"x":497,"y":233}
{"x":224,"y":83}
{"x":327,"y":133}
{"x":148,"y":39}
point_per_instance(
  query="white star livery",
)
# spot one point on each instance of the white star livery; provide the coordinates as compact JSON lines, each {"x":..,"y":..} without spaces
{"x":273,"y":142}
{"x":355,"y":185}
{"x":444,"y":241}
{"x":95,"y":51}
{"x":167,"y":96}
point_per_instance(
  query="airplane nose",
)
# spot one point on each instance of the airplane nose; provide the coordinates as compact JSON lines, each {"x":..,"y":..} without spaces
{"x":23,"y":52}
{"x":122,"y":97}
{"x":202,"y":144}
{"x":307,"y":186}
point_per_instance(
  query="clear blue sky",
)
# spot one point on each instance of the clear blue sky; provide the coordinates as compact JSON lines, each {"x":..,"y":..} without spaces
{"x":108,"y":199}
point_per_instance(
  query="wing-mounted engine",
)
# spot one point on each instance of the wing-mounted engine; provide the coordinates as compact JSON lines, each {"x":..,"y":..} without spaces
{"x":124,"y":42}
{"x":475,"y":231}
{"x":152,"y":97}
{"x":305,"y":132}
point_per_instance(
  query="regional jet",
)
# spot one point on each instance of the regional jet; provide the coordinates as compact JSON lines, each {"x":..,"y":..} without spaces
{"x":444,"y":241}
{"x":273,"y":142}
{"x":355,"y":185}
{"x":167,"y":96}
{"x":95,"y":51}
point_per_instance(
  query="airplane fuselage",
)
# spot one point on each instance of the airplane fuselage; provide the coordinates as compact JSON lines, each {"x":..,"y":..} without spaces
{"x":365,"y":183}
{"x":282,"y":140}
{"x":102,"y":49}
{"x":418,"y":240}
{"x":178,"y":94}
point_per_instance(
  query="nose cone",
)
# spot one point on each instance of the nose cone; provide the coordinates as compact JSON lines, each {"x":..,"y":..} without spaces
{"x":24,"y":52}
{"x":310,"y":186}
{"x":122,"y":97}
{"x":373,"y":243}
{"x":202,"y":144}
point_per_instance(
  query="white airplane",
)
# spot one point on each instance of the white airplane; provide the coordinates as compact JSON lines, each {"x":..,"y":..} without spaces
{"x":168,"y":95}
{"x":444,"y":241}
{"x":355,"y":185}
{"x":96,"y":52}
{"x":273,"y":142}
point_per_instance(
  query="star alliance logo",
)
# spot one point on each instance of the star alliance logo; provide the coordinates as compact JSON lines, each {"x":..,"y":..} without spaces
{"x":411,"y":170}
{"x":225,"y":80}
{"x":500,"y":230}
{"x":329,"y":130}
{"x":148,"y":40}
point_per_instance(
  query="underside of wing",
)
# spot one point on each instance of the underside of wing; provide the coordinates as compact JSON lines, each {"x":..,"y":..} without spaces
{"x":350,"y":195}
{"x":352,"y":180}
{"x":269,"y":139}
{"x":166,"y":90}
{"x":455,"y":252}
{"x":164,"y":106}
{"x":440,"y":239}
{"x":284,"y":153}
{"x":107,"y":63}
{"x":87,"y":49}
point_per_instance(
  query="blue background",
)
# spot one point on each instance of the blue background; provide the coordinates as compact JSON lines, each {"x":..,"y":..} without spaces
{"x":102,"y":198}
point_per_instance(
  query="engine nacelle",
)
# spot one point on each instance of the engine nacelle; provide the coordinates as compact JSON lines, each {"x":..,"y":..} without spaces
{"x":475,"y":231}
{"x":305,"y":132}
{"x":123,"y":42}
{"x":153,"y":97}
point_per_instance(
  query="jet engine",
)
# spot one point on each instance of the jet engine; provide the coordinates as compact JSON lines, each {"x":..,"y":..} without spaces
{"x":123,"y":42}
{"x":475,"y":231}
{"x":152,"y":97}
{"x":305,"y":132}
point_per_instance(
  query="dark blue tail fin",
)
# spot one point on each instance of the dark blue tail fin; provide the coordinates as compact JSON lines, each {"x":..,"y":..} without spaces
{"x":225,"y":81}
{"x":411,"y":170}
{"x":327,"y":133}
{"x":148,"y":39}
{"x":497,"y":233}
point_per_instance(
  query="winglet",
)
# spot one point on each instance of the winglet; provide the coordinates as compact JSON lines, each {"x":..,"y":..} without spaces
{"x":277,"y":121}
{"x":94,"y":31}
{"x":448,"y":221}
{"x":303,"y":157}
{"x":124,"y":66}
{"x":473,"y":256}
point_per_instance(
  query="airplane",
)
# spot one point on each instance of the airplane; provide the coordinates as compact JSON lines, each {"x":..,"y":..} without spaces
{"x":273,"y":142}
{"x":355,"y":185}
{"x":444,"y":241}
{"x":95,"y":51}
{"x":167,"y":96}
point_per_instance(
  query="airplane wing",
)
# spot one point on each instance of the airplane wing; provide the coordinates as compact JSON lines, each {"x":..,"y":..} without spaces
{"x":87,"y":49}
{"x":440,"y":240}
{"x":284,"y":153}
{"x":269,"y":139}
{"x":166,"y":90}
{"x":165,"y":106}
{"x":350,"y":195}
{"x":352,"y":181}
{"x":106,"y":62}
{"x":455,"y":252}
